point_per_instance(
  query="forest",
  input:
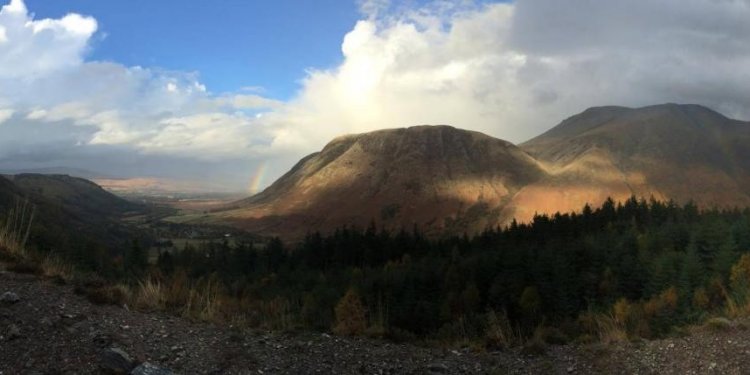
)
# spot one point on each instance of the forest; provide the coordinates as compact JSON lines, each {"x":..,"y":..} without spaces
{"x":642,"y":267}
{"x":620,"y":271}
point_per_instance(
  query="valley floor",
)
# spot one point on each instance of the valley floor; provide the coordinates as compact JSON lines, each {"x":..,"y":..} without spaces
{"x":51,"y":330}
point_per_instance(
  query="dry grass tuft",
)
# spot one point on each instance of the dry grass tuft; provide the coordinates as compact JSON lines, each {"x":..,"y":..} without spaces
{"x":718,"y":324}
{"x":57,"y":269}
{"x":500,"y":334}
{"x":604,"y":326}
{"x":106,"y":295}
{"x":15,"y":230}
{"x":149,"y":295}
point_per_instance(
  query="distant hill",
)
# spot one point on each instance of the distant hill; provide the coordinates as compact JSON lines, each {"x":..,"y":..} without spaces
{"x":74,"y":172}
{"x":450,"y":180}
{"x":68,"y":209}
{"x":75,"y":194}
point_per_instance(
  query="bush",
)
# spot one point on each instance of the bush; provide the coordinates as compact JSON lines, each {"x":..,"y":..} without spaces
{"x":499,"y":332}
{"x":105,"y":295}
{"x":350,"y":315}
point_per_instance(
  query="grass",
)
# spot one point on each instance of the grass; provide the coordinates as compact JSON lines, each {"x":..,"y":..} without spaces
{"x":15,"y":230}
{"x":718,"y":324}
{"x":605,"y":327}
{"x":500,"y":333}
{"x":149,"y":295}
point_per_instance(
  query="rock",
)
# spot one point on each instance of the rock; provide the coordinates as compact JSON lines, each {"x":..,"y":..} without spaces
{"x":9,"y":298}
{"x":437,"y":368}
{"x":102,"y":340}
{"x":116,"y":360}
{"x":13,"y":332}
{"x":146,"y":368}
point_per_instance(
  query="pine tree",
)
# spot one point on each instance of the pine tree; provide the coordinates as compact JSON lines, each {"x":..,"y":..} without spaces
{"x":136,"y":260}
{"x":166,"y":263}
{"x":692,"y":272}
{"x":725,"y":258}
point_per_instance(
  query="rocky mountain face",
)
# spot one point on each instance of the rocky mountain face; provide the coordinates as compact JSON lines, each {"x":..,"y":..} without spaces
{"x":437,"y":177}
{"x":444,"y":179}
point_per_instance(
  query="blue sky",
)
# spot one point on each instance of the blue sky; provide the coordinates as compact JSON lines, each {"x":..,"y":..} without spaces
{"x":230,"y":43}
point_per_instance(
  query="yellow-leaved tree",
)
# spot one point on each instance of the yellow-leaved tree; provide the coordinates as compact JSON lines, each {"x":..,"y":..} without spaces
{"x":351,"y":315}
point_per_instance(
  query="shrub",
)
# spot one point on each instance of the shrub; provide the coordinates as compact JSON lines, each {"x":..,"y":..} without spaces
{"x":701,"y":300}
{"x":499,"y":332}
{"x":105,"y":295}
{"x":350,"y":315}
{"x":661,"y":311}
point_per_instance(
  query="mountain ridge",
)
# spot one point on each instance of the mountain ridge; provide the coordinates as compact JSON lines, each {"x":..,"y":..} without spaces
{"x":445,"y":179}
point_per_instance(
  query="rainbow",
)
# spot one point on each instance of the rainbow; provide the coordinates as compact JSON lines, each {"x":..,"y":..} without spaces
{"x":257,"y":179}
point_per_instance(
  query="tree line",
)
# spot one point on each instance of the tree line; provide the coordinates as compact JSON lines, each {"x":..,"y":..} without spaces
{"x":646,"y":266}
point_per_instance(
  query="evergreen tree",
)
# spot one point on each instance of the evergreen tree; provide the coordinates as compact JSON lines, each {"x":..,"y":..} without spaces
{"x":165,"y":262}
{"x":136,"y":260}
{"x":691,"y":273}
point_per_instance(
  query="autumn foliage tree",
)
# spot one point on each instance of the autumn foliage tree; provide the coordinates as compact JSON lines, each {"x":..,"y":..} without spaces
{"x":351,"y":316}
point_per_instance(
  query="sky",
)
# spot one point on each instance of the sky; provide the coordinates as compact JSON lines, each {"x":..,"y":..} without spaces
{"x":232,"y":44}
{"x":232,"y":93}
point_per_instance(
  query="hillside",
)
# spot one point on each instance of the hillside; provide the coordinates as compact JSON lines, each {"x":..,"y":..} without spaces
{"x":447,"y":180}
{"x":439,"y":178}
{"x":68,"y":210}
{"x":75,"y":194}
{"x":679,"y":152}
{"x":74,"y":172}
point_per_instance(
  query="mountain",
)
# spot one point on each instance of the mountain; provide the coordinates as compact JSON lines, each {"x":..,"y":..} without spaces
{"x":75,"y":172}
{"x":437,"y":177}
{"x":74,"y":193}
{"x":450,"y":180}
{"x":670,"y":151}
{"x":68,"y":210}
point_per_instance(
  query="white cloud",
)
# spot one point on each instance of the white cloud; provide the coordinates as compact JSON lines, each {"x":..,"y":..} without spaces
{"x":31,"y":47}
{"x":515,"y":69}
{"x":5,"y":115}
{"x":508,"y":69}
{"x":45,"y":78}
{"x":409,"y":70}
{"x":244,"y":101}
{"x":373,"y":8}
{"x":15,"y":6}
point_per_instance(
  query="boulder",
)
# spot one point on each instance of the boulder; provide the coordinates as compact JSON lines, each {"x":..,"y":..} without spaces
{"x":146,"y":368}
{"x":9,"y":298}
{"x":117,"y":360}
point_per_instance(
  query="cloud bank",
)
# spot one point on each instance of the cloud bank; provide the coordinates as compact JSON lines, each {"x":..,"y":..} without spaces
{"x":511,"y":70}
